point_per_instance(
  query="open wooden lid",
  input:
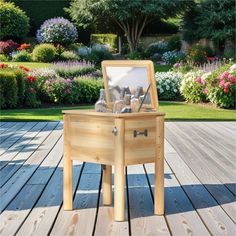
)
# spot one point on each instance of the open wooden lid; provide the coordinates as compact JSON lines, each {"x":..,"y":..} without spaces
{"x":130,"y":73}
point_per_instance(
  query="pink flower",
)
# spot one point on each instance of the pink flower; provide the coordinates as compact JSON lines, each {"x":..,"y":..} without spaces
{"x":226,"y":90}
{"x":198,"y":80}
{"x":205,"y":91}
{"x":224,"y":75}
{"x":227,"y":84}
{"x":222,"y":84}
{"x":203,"y":82}
{"x":232,"y":79}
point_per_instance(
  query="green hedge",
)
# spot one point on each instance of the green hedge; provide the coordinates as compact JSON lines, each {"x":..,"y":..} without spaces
{"x":109,"y":39}
{"x":8,"y":89}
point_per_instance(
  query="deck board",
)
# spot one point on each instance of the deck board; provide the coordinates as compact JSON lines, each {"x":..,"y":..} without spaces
{"x":199,"y":184}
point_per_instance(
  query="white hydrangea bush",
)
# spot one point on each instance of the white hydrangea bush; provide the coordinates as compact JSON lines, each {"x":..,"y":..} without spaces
{"x":168,"y":84}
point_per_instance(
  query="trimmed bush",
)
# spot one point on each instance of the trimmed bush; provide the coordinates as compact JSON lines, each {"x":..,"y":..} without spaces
{"x":69,"y":56}
{"x":8,"y":89}
{"x":44,"y":53}
{"x":168,"y":84}
{"x":21,"y":56}
{"x":87,"y":89}
{"x":14,"y":22}
{"x":57,"y":31}
{"x":3,"y":58}
{"x":107,"y":39}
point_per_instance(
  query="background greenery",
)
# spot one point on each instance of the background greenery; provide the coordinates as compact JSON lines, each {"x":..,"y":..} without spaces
{"x":173,"y":110}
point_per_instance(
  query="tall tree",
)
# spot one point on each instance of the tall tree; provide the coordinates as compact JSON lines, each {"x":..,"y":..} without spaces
{"x":131,"y":16}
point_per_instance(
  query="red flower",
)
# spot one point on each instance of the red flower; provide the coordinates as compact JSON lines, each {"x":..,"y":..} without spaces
{"x":226,"y":90}
{"x":23,"y":46}
{"x":31,"y":79}
{"x":3,"y":65}
{"x":24,"y":68}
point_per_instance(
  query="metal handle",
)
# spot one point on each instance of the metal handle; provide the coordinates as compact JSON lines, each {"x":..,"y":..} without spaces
{"x":137,"y":133}
{"x":114,"y":131}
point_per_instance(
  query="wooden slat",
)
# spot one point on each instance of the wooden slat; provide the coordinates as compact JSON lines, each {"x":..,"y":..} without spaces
{"x":18,"y":210}
{"x":6,"y":126}
{"x":142,"y":218}
{"x":42,"y":217}
{"x":23,"y":142}
{"x":13,"y":137}
{"x":180,"y":214}
{"x":18,"y":180}
{"x":12,"y":131}
{"x":195,"y":156}
{"x":11,"y":166}
{"x":213,"y":216}
{"x":105,"y":220}
{"x":81,"y":220}
{"x":203,"y":172}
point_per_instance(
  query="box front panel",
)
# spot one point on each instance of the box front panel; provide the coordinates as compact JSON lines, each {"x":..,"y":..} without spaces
{"x":91,"y":139}
{"x":140,"y":140}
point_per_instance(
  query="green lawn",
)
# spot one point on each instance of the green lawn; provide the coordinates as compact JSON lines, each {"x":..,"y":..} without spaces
{"x":162,"y":68}
{"x":173,"y":110}
{"x":30,"y":65}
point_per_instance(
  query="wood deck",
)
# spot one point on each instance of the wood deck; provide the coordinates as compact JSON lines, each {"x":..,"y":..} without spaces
{"x":200,"y":192}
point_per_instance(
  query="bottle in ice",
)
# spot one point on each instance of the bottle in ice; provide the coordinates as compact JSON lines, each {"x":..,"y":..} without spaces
{"x":135,"y":104}
{"x":119,"y":104}
{"x":101,"y":105}
{"x":127,"y":107}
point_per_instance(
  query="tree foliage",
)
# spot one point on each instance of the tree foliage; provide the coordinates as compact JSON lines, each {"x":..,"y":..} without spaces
{"x":217,"y":19}
{"x":212,"y":19}
{"x":131,"y":16}
{"x":14,"y":22}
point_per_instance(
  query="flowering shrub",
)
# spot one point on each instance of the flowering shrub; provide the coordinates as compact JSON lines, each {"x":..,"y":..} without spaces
{"x":172,"y":57}
{"x":197,"y":54}
{"x":31,"y":99}
{"x":6,"y":47}
{"x":193,"y":87}
{"x":72,"y":69}
{"x":168,"y":84}
{"x":57,"y":31}
{"x":158,"y":47}
{"x":221,"y":86}
{"x":44,"y":53}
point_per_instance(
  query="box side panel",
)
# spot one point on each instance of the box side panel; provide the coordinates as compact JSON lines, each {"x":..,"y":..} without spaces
{"x":91,"y":139}
{"x":140,"y":140}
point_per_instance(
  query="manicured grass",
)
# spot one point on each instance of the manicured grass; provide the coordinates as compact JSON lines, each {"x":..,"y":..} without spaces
{"x":30,"y":65}
{"x":173,"y":110}
{"x":162,"y":68}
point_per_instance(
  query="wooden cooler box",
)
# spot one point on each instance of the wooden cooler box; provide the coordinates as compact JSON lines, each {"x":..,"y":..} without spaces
{"x":117,"y":139}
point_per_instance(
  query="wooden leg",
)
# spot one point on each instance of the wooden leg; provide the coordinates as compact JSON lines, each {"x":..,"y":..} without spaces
{"x":119,"y":175}
{"x":159,"y":187}
{"x":159,"y":169}
{"x":67,"y":188}
{"x":107,"y":185}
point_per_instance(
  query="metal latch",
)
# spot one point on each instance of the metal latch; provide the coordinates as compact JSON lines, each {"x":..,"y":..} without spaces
{"x":137,"y":133}
{"x":114,"y":131}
